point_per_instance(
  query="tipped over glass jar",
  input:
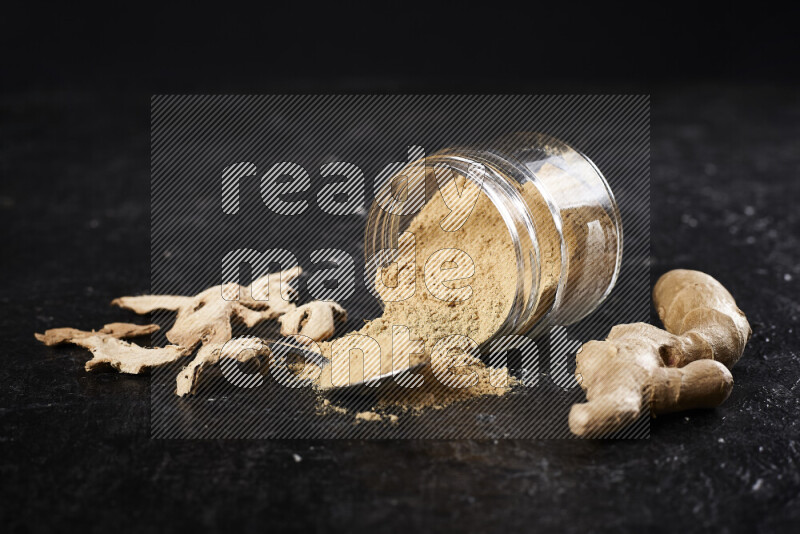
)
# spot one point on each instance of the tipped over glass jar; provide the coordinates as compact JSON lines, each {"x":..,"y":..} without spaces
{"x":508,"y":238}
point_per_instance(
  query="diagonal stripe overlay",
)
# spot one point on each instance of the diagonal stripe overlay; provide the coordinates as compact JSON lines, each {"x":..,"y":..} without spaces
{"x":208,"y":157}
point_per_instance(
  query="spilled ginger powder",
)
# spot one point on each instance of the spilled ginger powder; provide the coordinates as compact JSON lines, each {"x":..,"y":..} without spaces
{"x":485,"y":239}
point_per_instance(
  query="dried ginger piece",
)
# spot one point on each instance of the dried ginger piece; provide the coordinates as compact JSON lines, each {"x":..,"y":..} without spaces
{"x":57,"y":336}
{"x":315,"y":320}
{"x":126,"y":357}
{"x":206,"y":317}
{"x":375,"y":417}
{"x":203,"y":319}
{"x":240,"y":349}
{"x":107,"y":348}
{"x":368,"y":416}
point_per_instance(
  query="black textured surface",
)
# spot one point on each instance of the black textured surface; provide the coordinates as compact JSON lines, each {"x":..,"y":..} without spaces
{"x":75,"y":446}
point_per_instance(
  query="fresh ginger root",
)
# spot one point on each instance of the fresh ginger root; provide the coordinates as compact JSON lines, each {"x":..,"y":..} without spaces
{"x":683,"y":367}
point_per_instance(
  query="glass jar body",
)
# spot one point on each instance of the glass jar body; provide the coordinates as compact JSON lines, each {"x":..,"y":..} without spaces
{"x":558,"y":211}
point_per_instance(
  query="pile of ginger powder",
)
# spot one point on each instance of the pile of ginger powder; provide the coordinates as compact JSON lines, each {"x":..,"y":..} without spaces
{"x":423,"y":319}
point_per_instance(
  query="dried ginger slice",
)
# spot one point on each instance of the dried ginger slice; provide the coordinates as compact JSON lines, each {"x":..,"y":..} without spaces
{"x":126,"y":357}
{"x":203,"y":319}
{"x":315,"y":320}
{"x":206,"y":317}
{"x":107,"y":348}
{"x":241,"y":349}
{"x":57,"y":336}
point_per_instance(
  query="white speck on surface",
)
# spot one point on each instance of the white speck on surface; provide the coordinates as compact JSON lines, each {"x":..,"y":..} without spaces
{"x":297,"y":458}
{"x":721,"y":440}
{"x":760,"y":448}
{"x":787,"y":277}
{"x":757,"y":485}
{"x":749,"y":211}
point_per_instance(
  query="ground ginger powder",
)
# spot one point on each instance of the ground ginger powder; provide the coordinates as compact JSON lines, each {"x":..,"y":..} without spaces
{"x":485,"y":238}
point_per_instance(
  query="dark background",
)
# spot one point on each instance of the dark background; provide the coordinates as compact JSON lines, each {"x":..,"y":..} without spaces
{"x":74,"y":154}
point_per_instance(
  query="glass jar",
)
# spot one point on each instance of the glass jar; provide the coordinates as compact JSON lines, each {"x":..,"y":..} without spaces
{"x":559,"y":212}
